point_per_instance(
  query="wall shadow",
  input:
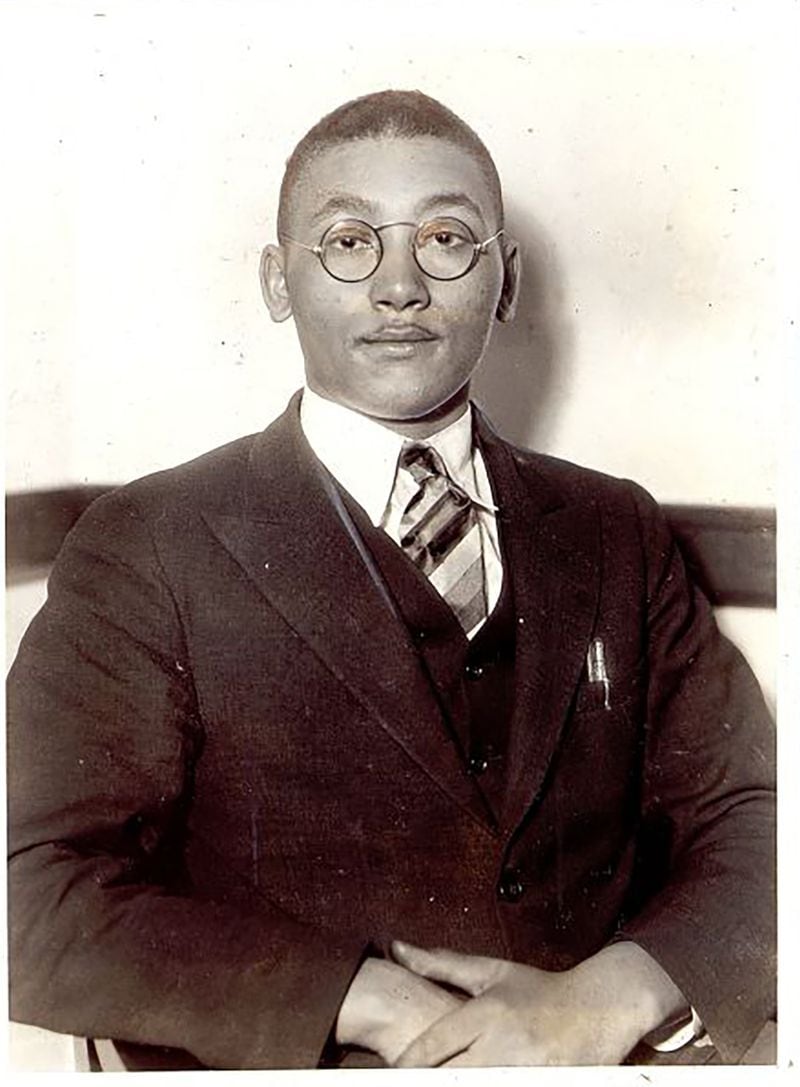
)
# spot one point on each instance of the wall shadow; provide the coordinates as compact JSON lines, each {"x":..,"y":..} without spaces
{"x":527,"y":368}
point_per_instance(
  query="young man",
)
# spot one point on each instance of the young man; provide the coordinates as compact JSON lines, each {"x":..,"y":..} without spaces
{"x":373,"y":676}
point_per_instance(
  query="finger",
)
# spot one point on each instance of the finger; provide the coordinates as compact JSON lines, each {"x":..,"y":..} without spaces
{"x":445,"y":1038}
{"x":471,"y":1057}
{"x":481,"y":1055}
{"x":472,"y":973}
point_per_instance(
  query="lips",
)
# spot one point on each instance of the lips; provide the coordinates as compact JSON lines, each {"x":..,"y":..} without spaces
{"x":399,"y":334}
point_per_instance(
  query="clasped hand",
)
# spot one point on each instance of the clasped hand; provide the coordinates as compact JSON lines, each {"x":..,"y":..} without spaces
{"x":511,"y":1014}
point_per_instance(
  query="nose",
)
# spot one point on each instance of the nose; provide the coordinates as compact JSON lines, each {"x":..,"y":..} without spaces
{"x":398,"y":282}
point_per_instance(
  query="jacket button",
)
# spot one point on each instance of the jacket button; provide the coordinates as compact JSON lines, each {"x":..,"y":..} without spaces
{"x":473,"y":671}
{"x":510,"y":887}
{"x":477,"y":764}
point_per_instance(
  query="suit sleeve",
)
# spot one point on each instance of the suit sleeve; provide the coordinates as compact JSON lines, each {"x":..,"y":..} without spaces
{"x":707,"y":871}
{"x":107,"y":937}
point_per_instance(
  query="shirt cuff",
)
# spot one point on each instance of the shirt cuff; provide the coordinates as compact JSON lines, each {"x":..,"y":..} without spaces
{"x":674,"y":1035}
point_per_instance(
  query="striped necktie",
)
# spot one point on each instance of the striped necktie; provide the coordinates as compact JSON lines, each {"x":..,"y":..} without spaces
{"x":439,"y":532}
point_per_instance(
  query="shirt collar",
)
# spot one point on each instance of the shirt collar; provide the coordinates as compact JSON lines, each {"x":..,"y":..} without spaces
{"x":361,"y":454}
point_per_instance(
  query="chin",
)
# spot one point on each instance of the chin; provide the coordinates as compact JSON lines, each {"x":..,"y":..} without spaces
{"x":419,"y":411}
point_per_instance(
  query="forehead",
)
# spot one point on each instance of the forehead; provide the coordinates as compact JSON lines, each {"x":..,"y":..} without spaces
{"x":389,"y":178}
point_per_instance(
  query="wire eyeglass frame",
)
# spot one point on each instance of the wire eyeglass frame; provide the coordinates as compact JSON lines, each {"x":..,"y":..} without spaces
{"x":478,"y":248}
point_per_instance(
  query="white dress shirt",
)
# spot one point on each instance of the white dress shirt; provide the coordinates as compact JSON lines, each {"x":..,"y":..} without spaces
{"x":362,"y":454}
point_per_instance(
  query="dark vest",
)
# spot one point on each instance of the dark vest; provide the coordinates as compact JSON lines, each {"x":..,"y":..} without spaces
{"x":473,"y":680}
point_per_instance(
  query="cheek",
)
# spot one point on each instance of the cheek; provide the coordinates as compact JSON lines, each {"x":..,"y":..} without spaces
{"x":317,"y":299}
{"x":318,"y":305}
{"x":471,"y":318}
{"x":323,"y":318}
{"x":470,"y":303}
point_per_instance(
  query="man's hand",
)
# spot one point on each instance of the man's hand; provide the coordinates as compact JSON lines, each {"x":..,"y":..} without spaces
{"x":520,"y":1015}
{"x":387,"y":1007}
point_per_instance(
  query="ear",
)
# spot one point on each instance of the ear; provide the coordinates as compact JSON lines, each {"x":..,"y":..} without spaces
{"x":507,"y":305}
{"x":273,"y":283}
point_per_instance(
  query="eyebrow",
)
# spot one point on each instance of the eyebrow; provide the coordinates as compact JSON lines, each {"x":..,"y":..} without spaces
{"x":450,"y":199}
{"x":350,"y":203}
{"x":345,"y":202}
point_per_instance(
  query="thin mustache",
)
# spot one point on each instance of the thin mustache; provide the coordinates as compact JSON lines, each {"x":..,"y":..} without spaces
{"x":399,"y":333}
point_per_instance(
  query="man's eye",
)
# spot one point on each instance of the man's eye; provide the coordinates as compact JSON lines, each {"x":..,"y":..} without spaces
{"x":441,"y":236}
{"x":349,"y":242}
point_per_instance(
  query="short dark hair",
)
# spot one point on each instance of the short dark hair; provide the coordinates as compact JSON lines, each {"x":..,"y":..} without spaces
{"x":385,"y":113}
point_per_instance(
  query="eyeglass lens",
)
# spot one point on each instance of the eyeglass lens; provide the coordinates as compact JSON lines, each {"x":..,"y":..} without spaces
{"x":444,"y":249}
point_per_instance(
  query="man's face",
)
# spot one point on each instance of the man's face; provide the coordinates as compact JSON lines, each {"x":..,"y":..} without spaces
{"x":398,"y":345}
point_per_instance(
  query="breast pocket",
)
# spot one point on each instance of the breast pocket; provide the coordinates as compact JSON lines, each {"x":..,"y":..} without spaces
{"x":603,"y":741}
{"x":609,"y":682}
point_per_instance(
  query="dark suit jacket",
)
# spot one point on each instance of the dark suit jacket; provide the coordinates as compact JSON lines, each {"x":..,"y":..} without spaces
{"x":228,"y":772}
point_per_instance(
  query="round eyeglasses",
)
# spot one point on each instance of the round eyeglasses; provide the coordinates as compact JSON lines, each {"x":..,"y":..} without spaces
{"x":443,"y":248}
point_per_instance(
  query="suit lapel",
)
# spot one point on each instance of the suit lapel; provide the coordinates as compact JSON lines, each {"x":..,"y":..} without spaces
{"x":552,"y":548}
{"x":286,"y":533}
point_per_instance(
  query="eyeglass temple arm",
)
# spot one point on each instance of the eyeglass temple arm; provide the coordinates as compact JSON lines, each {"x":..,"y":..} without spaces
{"x":481,"y":246}
{"x":311,"y":248}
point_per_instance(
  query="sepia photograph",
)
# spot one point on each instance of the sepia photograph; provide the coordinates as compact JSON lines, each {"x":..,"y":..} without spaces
{"x":396,"y":615}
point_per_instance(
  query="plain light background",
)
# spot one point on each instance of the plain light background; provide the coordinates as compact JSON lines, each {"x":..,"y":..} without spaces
{"x":640,"y":178}
{"x":643,"y":150}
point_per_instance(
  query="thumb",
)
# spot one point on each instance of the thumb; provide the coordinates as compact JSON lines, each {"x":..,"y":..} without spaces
{"x":472,"y":973}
